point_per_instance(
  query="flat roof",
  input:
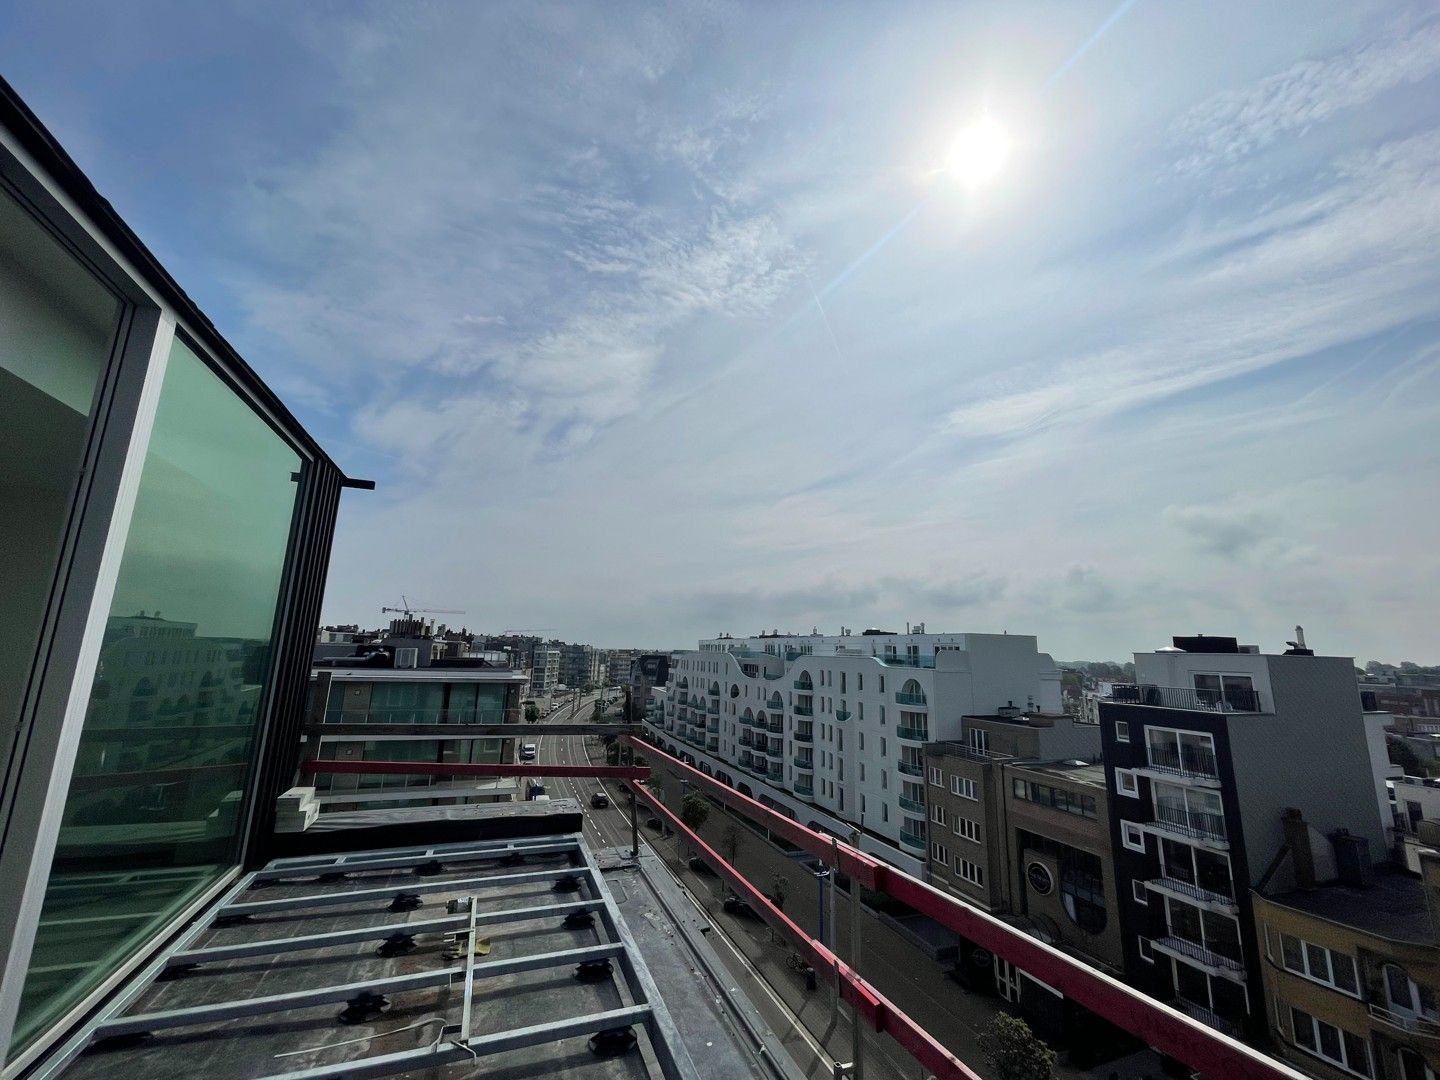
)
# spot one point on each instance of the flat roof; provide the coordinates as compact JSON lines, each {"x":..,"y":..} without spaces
{"x":343,"y":964}
{"x":1393,"y":907}
{"x":1088,"y":773}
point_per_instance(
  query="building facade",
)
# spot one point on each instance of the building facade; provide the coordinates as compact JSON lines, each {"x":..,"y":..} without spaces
{"x":544,"y":669}
{"x":1352,"y":970}
{"x":832,"y":729}
{"x":1204,"y":757}
{"x":166,"y":524}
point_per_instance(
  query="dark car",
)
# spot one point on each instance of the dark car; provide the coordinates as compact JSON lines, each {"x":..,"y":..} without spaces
{"x":739,"y":906}
{"x":699,"y":866}
{"x":599,"y":800}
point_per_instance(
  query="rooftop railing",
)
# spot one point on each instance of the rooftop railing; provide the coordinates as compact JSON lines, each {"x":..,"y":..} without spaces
{"x":1229,"y":700}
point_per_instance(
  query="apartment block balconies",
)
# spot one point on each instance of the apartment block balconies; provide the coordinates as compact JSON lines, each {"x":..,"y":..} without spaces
{"x":712,"y":744}
{"x":1206,"y":1016}
{"x":1426,"y":1028}
{"x":1193,"y":894}
{"x":712,"y":726}
{"x":775,"y":706}
{"x":804,"y":789}
{"x":803,"y":710}
{"x":1192,"y":765}
{"x":1197,"y":955}
{"x":805,"y":686}
{"x":775,"y":750}
{"x":913,"y":734}
{"x":911,"y":701}
{"x":808,"y":764}
{"x":803,"y":736}
{"x":913,"y":805}
{"x":713,"y":708}
{"x":747,"y":738}
{"x":842,"y":715}
{"x":913,"y":841}
{"x":911,"y":768}
{"x":1233,"y":699}
{"x":775,"y":773}
{"x":776,"y":726}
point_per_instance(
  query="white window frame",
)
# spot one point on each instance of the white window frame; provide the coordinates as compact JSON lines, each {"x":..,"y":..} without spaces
{"x":939,"y":854}
{"x":1275,"y":950}
{"x":968,"y":828}
{"x":1139,"y":892}
{"x":937,"y":778}
{"x":1132,"y":836}
{"x":1340,"y":1034}
{"x":1127,"y":783}
{"x":1122,"y":731}
{"x":937,"y":815}
{"x":971,"y":872}
{"x":965,"y":787}
{"x":1143,"y":945}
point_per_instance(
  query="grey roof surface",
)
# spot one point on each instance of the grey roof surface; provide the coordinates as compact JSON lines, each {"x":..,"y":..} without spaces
{"x":519,"y":983}
{"x":1394,"y":907}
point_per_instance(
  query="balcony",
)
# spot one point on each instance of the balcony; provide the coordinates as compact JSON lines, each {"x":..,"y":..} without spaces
{"x":775,"y":773}
{"x":1192,"y":765}
{"x":803,"y":736}
{"x":913,"y":734}
{"x":776,"y":750}
{"x":913,"y":841}
{"x":713,"y":708}
{"x":747,"y":738}
{"x":842,"y":715}
{"x":1231,"y":700}
{"x":747,"y":721}
{"x":805,"y":686}
{"x":808,"y":764}
{"x":1206,"y":1016}
{"x":907,"y":661}
{"x":1183,"y":890}
{"x":803,"y":789}
{"x":776,"y":706}
{"x":1200,"y":956}
{"x":776,"y":726}
{"x":914,"y":701}
{"x":712,"y":744}
{"x":804,"y":710}
{"x":1191,"y":824}
{"x":910,"y":768}
{"x":1425,"y":1027}
{"x":913,"y":805}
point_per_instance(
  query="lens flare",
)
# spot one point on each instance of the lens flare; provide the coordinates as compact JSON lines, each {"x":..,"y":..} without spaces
{"x":979,"y":152}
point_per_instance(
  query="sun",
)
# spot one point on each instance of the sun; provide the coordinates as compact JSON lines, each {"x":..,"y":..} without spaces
{"x":979,"y":153}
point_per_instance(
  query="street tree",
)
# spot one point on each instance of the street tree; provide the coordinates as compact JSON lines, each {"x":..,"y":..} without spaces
{"x":1014,"y":1050}
{"x":532,"y":713}
{"x":694,"y":811}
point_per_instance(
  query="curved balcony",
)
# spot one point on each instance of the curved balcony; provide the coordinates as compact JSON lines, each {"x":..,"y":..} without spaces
{"x":803,"y":736}
{"x":913,"y":734}
{"x":808,"y":764}
{"x":912,"y":805}
{"x":913,"y":701}
{"x":913,"y":841}
{"x":712,"y":744}
{"x":776,"y":727}
{"x":803,"y":790}
{"x":775,"y":773}
{"x":842,"y":715}
{"x":909,"y":768}
{"x":775,"y":750}
{"x":747,"y":738}
{"x":775,"y":706}
{"x":803,"y":710}
{"x":805,"y":686}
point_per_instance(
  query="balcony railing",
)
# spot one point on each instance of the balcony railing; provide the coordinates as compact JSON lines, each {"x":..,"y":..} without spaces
{"x":775,"y":706}
{"x":913,"y":700}
{"x":804,"y":790}
{"x":713,"y":708}
{"x":804,"y":710}
{"x":908,"y":661}
{"x":1199,"y":824}
{"x":911,"y":768}
{"x":803,"y":736}
{"x":1416,"y":1025}
{"x":776,"y":726}
{"x":808,"y":764}
{"x":911,"y":840}
{"x":842,"y":715}
{"x":1191,"y":762}
{"x":712,"y":744}
{"x":1230,"y":700}
{"x":1206,"y":1016}
{"x":747,"y":738}
{"x":775,"y":750}
{"x":913,"y":734}
{"x":416,"y":716}
{"x":1192,"y":892}
{"x":775,"y":772}
{"x":1200,"y":954}
{"x":805,"y":686}
{"x":913,"y":805}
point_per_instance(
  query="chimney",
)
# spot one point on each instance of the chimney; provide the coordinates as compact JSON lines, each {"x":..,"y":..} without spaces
{"x":1297,"y":839}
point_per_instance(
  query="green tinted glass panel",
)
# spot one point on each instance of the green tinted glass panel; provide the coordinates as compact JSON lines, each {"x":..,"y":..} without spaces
{"x":153,"y":814}
{"x":57,"y":329}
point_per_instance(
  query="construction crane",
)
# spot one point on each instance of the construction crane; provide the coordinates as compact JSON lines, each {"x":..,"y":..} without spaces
{"x":540,"y":630}
{"x":410,"y":612}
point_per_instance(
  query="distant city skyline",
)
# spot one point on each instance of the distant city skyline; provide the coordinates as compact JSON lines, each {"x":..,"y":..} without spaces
{"x":654,"y":325}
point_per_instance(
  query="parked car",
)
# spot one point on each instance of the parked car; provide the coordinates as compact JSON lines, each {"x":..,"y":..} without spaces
{"x":699,"y":866}
{"x":528,"y":751}
{"x":535,"y":790}
{"x":740,"y":907}
{"x":599,"y":800}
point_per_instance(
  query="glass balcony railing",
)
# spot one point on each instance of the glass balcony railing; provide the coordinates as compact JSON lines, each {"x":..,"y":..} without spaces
{"x":914,"y":841}
{"x":913,"y":805}
{"x":913,"y":700}
{"x":712,"y":744}
{"x":803,"y":736}
{"x":908,"y":661}
{"x":911,"y":768}
{"x":913,"y":734}
{"x":803,"y":790}
{"x":747,"y":738}
{"x":804,"y":710}
{"x":775,"y":750}
{"x":776,"y":706}
{"x":842,"y":715}
{"x":808,"y":764}
{"x":804,"y":686}
{"x":776,"y":726}
{"x":417,"y":716}
{"x":775,"y":772}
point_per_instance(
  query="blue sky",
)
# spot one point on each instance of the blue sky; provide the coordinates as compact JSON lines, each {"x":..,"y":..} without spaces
{"x":655,"y":322}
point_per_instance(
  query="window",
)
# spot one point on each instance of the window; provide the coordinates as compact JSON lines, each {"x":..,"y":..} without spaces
{"x":884,"y":780}
{"x":1138,"y":891}
{"x":1122,"y":731}
{"x":937,"y":777}
{"x":939,"y":854}
{"x":971,"y":872}
{"x":882,"y":746}
{"x":969,"y":828}
{"x":1334,"y":969}
{"x":1126,"y":784}
{"x":937,"y":814}
{"x":964,"y":787}
{"x":1331,"y":1043}
{"x":862,"y":770}
{"x":1132,"y":836}
{"x":1070,"y":802}
{"x":859,"y":686}
{"x":1235,"y":692}
{"x":979,"y":739}
{"x":207,"y":547}
{"x":1143,"y":944}
{"x":884,"y":812}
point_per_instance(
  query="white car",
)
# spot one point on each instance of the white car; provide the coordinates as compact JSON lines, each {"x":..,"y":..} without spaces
{"x":528,"y":751}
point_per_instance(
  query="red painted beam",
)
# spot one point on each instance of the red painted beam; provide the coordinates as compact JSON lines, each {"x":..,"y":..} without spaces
{"x":873,"y":1007}
{"x":462,"y":768}
{"x":1160,"y":1026}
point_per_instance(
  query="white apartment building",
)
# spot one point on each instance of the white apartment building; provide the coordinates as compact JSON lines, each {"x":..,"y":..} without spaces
{"x":832,"y":730}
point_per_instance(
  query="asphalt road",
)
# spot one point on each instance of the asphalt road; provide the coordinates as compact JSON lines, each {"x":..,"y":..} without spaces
{"x":607,"y":828}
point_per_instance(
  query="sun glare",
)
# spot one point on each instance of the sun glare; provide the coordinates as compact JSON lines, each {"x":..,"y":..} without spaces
{"x":979,"y":152}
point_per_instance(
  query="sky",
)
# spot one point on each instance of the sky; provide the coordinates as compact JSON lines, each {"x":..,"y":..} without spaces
{"x":654,"y":322}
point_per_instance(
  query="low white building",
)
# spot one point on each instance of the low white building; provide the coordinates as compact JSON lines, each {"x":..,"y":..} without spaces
{"x":831,"y":729}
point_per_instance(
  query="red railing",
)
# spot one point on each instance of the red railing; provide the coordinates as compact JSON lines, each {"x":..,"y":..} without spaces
{"x":1167,"y":1030}
{"x":460,"y":768}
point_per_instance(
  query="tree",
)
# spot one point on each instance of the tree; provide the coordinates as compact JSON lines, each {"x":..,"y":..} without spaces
{"x":730,"y":843}
{"x":1012,"y":1048}
{"x":1403,"y":754}
{"x":695,"y":811}
{"x":532,"y":712}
